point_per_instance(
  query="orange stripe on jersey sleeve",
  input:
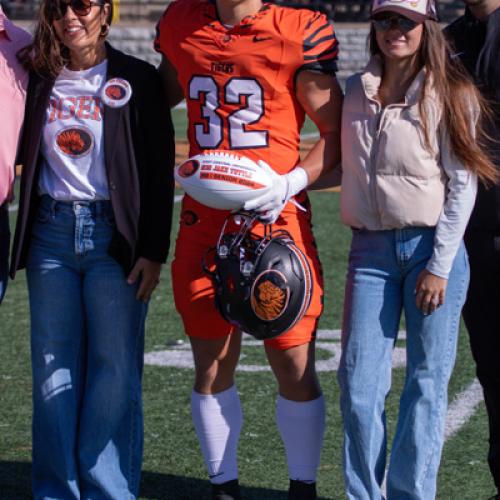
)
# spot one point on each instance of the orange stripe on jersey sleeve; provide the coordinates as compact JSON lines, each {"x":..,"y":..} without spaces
{"x":320,"y":45}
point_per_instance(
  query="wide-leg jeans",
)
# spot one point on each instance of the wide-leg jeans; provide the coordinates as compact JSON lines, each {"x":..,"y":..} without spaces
{"x":87,"y":347}
{"x":382,"y":275}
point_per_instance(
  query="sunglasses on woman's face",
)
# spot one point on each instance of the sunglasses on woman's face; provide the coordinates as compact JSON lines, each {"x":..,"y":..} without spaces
{"x":79,"y":7}
{"x":387,"y":22}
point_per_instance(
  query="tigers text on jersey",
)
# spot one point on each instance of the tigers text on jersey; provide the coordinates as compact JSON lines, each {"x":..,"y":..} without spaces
{"x":239,"y":81}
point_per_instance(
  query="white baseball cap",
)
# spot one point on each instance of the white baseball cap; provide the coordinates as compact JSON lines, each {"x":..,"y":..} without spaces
{"x":416,"y":10}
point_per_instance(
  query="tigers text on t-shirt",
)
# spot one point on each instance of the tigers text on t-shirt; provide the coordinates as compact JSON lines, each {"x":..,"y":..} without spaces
{"x":73,"y":143}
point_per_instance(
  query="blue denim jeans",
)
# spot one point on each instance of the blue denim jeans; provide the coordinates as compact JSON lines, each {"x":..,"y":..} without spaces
{"x":4,"y":248}
{"x":87,"y":347}
{"x":382,"y":275}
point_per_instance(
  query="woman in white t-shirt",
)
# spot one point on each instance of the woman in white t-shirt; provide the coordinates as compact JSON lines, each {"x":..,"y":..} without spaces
{"x":93,"y":230}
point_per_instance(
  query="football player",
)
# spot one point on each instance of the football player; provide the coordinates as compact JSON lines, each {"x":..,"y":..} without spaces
{"x":250,"y":72}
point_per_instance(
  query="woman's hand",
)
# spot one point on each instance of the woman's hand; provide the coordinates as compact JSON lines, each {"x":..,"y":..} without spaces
{"x":150,"y":277}
{"x":430,"y":292}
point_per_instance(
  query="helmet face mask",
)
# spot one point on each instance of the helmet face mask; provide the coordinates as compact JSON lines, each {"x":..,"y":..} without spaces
{"x":262,"y":285}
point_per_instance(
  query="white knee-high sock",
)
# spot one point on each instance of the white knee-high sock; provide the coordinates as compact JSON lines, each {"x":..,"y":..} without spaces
{"x":217,"y":420}
{"x":302,"y":426}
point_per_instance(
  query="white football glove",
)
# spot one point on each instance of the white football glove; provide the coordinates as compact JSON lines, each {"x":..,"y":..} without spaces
{"x":284,"y":187}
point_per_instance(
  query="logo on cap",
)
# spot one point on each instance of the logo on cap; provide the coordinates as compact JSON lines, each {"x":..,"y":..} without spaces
{"x":418,"y":10}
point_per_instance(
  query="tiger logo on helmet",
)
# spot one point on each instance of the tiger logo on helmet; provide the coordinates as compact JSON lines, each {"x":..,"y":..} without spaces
{"x":269,"y":296}
{"x":263,"y":285}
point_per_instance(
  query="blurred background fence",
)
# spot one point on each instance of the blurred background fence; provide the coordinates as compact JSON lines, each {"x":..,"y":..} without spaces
{"x":133,"y":29}
{"x":150,"y":10}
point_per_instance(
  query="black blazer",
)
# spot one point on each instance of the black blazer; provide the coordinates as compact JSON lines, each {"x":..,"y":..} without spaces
{"x":139,"y":159}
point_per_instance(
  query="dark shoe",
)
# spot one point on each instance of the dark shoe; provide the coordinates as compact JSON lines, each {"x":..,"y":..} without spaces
{"x":226,"y":491}
{"x":301,"y":491}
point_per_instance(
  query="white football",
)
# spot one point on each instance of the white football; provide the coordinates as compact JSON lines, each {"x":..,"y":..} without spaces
{"x":222,"y":180}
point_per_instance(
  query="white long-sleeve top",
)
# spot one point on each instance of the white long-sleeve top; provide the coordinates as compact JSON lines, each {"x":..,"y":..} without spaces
{"x":457,"y":209}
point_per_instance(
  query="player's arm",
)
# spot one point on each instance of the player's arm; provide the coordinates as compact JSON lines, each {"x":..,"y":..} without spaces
{"x":318,"y":92}
{"x":171,"y":85}
{"x":321,"y":98}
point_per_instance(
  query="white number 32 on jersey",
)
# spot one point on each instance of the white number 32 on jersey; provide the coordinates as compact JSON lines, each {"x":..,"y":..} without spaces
{"x":210,"y":132}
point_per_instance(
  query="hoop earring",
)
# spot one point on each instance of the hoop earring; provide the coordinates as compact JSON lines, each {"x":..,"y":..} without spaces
{"x":104,"y":30}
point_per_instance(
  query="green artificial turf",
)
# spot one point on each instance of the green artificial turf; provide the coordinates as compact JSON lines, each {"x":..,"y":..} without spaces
{"x":173,"y":468}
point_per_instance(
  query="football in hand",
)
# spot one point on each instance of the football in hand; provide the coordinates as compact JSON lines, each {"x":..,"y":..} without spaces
{"x":222,"y":180}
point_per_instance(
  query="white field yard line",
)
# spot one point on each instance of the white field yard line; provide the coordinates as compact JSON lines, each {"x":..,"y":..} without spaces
{"x":177,"y":198}
{"x":462,"y":408}
{"x":459,"y":412}
{"x":309,"y":135}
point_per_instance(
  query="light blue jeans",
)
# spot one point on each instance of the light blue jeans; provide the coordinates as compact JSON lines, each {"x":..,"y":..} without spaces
{"x":87,"y":346}
{"x":382,"y":275}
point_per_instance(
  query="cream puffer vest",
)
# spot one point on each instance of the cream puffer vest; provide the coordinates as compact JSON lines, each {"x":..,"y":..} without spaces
{"x":390,"y":179}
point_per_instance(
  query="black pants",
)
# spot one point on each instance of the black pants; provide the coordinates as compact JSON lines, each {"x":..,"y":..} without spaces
{"x":4,"y":248}
{"x":482,"y":318}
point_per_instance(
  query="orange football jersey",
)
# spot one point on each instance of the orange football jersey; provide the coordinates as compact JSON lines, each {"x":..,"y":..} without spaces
{"x":239,"y":82}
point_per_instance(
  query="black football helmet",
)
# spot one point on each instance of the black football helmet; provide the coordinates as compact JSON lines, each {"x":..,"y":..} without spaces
{"x":262,"y":285}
